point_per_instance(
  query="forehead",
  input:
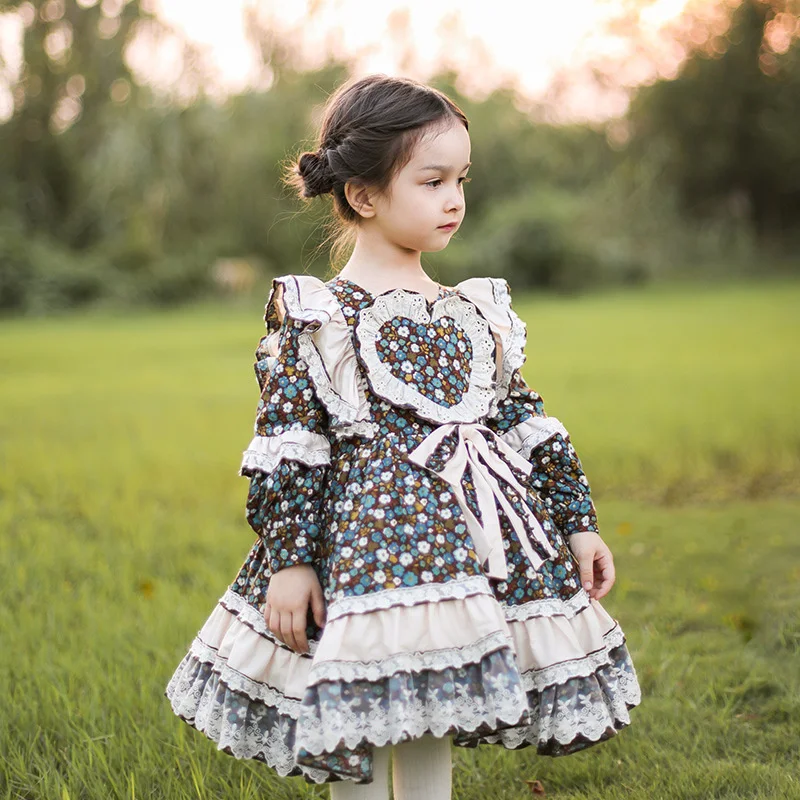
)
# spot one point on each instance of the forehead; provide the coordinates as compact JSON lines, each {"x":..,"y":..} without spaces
{"x":450,"y":147}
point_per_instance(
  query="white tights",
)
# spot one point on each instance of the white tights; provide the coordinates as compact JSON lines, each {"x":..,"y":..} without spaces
{"x":422,"y":769}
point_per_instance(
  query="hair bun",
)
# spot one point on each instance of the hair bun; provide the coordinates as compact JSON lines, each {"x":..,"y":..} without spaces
{"x":313,"y":168}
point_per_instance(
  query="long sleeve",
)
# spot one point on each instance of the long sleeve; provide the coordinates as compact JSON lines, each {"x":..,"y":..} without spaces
{"x":557,"y":473}
{"x":288,"y":458}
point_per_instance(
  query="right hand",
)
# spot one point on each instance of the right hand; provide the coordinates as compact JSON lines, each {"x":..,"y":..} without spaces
{"x":286,"y":610}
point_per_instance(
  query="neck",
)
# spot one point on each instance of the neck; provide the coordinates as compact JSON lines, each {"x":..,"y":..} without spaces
{"x":380,"y":261}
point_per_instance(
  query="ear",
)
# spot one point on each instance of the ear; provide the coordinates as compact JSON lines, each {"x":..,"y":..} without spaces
{"x":360,"y":199}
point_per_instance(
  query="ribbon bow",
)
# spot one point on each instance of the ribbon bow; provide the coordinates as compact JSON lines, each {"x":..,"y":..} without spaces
{"x":486,"y":467}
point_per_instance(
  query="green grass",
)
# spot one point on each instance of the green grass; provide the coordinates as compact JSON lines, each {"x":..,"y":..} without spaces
{"x":122,"y":521}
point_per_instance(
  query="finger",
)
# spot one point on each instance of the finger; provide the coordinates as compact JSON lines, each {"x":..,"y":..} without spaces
{"x":607,"y":570}
{"x":604,"y":570}
{"x":266,"y":612}
{"x":299,"y":632}
{"x":587,"y":570}
{"x":287,"y":630}
{"x":318,"y":606}
{"x":275,"y":625}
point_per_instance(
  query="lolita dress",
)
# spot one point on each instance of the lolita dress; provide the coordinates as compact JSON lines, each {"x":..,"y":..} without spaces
{"x":399,"y":451}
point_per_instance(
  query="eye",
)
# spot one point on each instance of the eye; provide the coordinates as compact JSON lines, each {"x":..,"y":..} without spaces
{"x":437,"y":181}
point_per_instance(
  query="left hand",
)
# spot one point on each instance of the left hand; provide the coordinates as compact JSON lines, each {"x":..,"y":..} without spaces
{"x":595,"y":561}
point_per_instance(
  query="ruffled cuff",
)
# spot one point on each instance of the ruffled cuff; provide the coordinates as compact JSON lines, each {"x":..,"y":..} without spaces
{"x":558,"y":474}
{"x":264,"y":453}
{"x":283,"y":509}
{"x":531,"y":432}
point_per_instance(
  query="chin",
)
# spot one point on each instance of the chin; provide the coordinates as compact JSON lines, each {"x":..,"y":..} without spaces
{"x":435,"y":247}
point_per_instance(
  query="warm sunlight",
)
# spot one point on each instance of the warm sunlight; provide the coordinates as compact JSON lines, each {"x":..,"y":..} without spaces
{"x":527,"y":45}
{"x":546,"y":51}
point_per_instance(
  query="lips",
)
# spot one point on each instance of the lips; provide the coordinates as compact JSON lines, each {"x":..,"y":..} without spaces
{"x":448,"y":227}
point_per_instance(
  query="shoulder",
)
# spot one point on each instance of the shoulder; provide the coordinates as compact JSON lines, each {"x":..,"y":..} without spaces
{"x":319,"y":334}
{"x":492,"y":297}
{"x":486,"y":289}
{"x":304,"y":298}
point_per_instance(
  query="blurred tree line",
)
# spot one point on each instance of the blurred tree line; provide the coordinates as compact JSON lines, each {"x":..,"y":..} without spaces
{"x":109,"y":194}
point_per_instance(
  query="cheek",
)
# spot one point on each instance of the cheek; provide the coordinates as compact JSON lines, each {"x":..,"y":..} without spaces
{"x":418,"y":204}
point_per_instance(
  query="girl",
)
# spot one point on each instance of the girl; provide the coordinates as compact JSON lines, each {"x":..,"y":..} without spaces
{"x":428,"y":566}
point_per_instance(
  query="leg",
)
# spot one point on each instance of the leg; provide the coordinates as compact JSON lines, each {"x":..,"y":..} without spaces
{"x":422,"y":769}
{"x":377,"y":790}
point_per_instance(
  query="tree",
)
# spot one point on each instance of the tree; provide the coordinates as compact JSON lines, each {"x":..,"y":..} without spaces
{"x":73,"y":73}
{"x":727,"y":124}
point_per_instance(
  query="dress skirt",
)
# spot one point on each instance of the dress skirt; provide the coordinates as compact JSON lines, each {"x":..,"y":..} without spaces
{"x":399,"y":453}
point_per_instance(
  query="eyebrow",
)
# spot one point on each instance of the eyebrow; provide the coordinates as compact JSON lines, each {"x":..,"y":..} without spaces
{"x":443,"y":167}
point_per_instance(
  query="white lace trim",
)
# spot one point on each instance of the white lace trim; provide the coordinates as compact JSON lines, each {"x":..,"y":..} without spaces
{"x":532,"y":432}
{"x":266,"y":452}
{"x":542,"y":677}
{"x":620,"y":691}
{"x":255,"y":690}
{"x":337,"y":406}
{"x":514,"y":343}
{"x":562,"y":723}
{"x":350,"y":725}
{"x":549,"y":719}
{"x":365,"y":429}
{"x":408,"y":596}
{"x":548,"y":607}
{"x":350,"y":670}
{"x":197,"y":704}
{"x":435,"y":660}
{"x":236,"y":604}
{"x":475,"y":402}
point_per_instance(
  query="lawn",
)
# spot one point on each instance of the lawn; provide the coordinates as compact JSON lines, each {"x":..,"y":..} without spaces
{"x":122,"y":521}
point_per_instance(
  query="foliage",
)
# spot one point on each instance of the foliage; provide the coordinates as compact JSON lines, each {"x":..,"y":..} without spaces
{"x":727,"y":125}
{"x":112,"y":194}
{"x":118,"y":537}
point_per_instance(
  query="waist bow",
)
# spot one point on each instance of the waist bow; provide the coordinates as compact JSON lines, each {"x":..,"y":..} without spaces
{"x":487,"y":469}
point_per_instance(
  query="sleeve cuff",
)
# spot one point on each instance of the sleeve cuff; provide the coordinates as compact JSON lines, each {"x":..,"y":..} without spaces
{"x":294,"y":547}
{"x":582,"y":521}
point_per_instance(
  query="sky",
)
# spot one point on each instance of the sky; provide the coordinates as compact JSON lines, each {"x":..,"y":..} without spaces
{"x":531,"y":45}
{"x":526,"y":44}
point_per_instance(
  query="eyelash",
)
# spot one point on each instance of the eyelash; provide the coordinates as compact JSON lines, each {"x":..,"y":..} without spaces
{"x":439,"y":180}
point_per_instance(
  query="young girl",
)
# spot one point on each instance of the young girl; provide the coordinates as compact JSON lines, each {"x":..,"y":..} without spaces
{"x":428,"y":566}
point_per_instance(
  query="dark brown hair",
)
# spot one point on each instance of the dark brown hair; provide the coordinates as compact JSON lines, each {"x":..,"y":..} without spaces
{"x":369,"y":129}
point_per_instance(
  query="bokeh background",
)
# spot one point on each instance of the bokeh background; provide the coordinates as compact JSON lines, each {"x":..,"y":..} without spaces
{"x":616,"y":142}
{"x":636,"y":178}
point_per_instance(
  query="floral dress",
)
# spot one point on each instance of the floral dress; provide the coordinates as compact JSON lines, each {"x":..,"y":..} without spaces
{"x":398,"y":450}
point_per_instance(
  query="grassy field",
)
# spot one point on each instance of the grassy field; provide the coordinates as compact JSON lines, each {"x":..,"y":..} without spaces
{"x":122,"y":521}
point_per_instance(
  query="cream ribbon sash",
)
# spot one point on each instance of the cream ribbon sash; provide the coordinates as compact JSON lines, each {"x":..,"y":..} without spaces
{"x":486,"y":467}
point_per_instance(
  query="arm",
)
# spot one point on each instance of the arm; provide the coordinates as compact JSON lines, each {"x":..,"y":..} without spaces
{"x":288,"y":458}
{"x":557,"y":473}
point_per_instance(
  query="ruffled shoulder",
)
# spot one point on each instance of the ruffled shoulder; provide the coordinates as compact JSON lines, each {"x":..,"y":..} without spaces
{"x":324,"y":343}
{"x":492,"y":296}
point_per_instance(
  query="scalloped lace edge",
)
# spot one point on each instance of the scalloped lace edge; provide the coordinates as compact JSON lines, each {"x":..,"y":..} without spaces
{"x":266,"y":452}
{"x":533,"y":431}
{"x":435,"y":660}
{"x":195,"y":703}
{"x":476,"y":400}
{"x":475,"y":584}
{"x":432,"y":660}
{"x":514,"y":344}
{"x":336,"y":405}
{"x":407,"y":596}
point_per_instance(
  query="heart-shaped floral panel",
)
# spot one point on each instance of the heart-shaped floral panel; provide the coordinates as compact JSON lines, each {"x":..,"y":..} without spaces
{"x":440,"y":363}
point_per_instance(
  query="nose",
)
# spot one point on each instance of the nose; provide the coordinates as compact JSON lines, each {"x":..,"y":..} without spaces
{"x":455,"y":200}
